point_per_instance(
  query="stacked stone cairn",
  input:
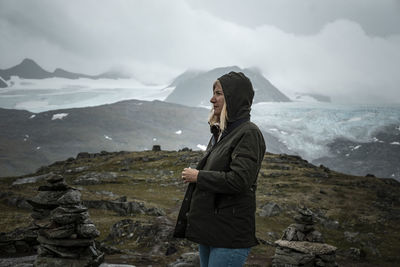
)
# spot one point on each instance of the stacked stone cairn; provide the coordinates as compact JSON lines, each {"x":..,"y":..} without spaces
{"x":66,"y":233}
{"x":302,"y":245}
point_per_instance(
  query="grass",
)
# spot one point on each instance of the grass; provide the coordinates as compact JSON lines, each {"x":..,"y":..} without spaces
{"x":357,"y":203}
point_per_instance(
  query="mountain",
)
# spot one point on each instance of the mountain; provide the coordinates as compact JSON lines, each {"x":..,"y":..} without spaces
{"x":195,"y":89}
{"x":380,"y":157}
{"x":30,"y":140}
{"x":3,"y":83}
{"x":29,"y":69}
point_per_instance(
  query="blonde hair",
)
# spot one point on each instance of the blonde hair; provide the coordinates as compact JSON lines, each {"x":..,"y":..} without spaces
{"x":222,"y":120}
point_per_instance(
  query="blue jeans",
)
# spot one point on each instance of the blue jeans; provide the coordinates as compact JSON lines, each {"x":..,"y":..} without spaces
{"x":222,"y":257}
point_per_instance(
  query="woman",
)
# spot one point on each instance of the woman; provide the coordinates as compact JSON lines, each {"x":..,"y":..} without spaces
{"x":218,"y":211}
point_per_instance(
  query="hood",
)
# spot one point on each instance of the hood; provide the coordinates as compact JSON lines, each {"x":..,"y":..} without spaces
{"x":238,"y":93}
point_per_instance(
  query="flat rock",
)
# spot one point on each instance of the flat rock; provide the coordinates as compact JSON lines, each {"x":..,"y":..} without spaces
{"x":69,"y":218}
{"x":30,"y":180}
{"x":71,"y":197}
{"x":65,"y":242}
{"x":307,"y":247}
{"x":54,"y":178}
{"x":59,"y":186}
{"x":59,"y":232}
{"x":46,"y":199}
{"x":57,"y":262}
{"x":71,"y":209}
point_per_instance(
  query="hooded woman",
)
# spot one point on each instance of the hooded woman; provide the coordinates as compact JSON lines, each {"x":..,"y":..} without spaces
{"x":218,"y":210}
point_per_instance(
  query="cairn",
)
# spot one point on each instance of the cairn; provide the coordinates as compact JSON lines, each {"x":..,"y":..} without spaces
{"x":302,"y":245}
{"x":66,"y":233}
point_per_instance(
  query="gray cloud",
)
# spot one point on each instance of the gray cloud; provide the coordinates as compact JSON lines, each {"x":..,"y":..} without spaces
{"x":308,"y":16}
{"x":345,"y":49}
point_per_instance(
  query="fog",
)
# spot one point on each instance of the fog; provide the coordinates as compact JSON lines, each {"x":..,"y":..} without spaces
{"x":348,"y":50}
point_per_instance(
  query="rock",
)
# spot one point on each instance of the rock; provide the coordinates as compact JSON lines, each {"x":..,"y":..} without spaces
{"x":32,"y":179}
{"x":96,"y":178}
{"x":301,"y":245}
{"x":190,"y":259}
{"x":46,"y":199}
{"x":57,"y":187}
{"x":115,"y":265}
{"x":307,"y":247}
{"x":65,"y":242}
{"x":25,"y":261}
{"x":83,"y":155}
{"x":86,"y":181}
{"x":270,"y":209}
{"x":54,"y":178}
{"x":71,"y":197}
{"x":20,"y":240}
{"x":67,"y":234}
{"x":69,"y":218}
{"x":59,"y":232}
{"x":57,"y":262}
{"x":351,"y":236}
{"x":88,"y":230}
{"x":156,"y":148}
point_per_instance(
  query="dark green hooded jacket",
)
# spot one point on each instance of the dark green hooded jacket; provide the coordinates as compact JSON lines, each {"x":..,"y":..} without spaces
{"x":219,"y":210}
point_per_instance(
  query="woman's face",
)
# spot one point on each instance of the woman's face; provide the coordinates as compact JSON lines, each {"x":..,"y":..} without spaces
{"x":218,"y":98}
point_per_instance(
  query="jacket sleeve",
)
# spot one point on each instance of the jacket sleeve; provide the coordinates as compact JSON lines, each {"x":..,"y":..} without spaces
{"x":245,"y":163}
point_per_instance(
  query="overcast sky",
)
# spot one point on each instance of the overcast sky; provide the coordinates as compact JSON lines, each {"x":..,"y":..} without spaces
{"x":347,"y":49}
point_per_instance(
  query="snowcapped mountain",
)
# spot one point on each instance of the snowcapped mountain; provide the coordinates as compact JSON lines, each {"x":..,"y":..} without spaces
{"x":195,"y":88}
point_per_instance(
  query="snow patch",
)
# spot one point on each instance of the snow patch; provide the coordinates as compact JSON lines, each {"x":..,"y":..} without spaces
{"x":354,"y":119}
{"x":297,"y":119}
{"x":32,"y":116}
{"x":178,"y":132}
{"x":395,"y":143}
{"x":202,"y":147}
{"x":38,"y":147}
{"x":154,"y":139}
{"x":107,"y":137}
{"x":355,"y":147}
{"x":59,"y":116}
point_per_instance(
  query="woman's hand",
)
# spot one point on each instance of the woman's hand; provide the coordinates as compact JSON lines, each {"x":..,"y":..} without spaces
{"x":189,"y":175}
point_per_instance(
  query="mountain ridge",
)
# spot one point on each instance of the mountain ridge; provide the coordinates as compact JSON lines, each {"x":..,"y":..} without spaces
{"x":29,"y":69}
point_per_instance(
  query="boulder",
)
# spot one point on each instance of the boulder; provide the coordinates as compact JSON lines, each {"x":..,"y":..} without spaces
{"x":270,"y":209}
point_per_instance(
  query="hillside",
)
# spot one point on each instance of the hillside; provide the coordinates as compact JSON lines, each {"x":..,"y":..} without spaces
{"x":30,"y":140}
{"x":359,"y":215}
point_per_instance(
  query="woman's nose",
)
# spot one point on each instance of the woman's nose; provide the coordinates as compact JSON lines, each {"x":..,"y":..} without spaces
{"x":212,"y":100}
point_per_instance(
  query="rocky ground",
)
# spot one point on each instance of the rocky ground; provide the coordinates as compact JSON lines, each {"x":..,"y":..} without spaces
{"x":133,"y":199}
